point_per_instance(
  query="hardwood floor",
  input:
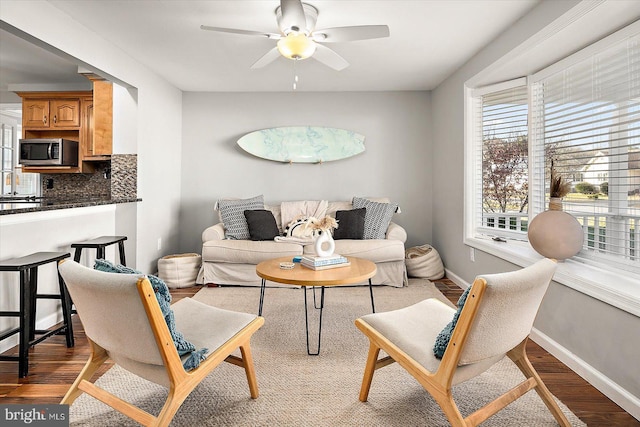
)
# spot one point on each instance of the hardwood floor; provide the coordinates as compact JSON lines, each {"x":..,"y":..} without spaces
{"x":53,"y":367}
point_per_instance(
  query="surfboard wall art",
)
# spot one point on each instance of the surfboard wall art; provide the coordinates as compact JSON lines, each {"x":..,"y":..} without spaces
{"x":302,"y":144}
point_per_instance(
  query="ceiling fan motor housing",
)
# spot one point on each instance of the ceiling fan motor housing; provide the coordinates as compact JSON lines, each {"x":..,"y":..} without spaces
{"x":311,"y":17}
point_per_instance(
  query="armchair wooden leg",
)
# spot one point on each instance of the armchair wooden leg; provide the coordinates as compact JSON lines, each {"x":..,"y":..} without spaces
{"x":520,"y":358}
{"x":171,"y":406}
{"x":449,"y":407}
{"x":250,"y":370}
{"x":369,"y":369}
{"x":97,"y":358}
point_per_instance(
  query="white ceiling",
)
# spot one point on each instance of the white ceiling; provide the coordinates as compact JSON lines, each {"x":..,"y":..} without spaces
{"x":429,"y":40}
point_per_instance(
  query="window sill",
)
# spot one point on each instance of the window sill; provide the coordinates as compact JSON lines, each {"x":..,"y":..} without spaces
{"x":620,"y":289}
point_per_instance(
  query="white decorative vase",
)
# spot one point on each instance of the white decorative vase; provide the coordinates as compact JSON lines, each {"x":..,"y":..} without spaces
{"x":324,"y":244}
{"x":555,"y":234}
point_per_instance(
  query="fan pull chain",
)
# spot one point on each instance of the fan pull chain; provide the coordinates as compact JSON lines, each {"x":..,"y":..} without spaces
{"x":295,"y":75}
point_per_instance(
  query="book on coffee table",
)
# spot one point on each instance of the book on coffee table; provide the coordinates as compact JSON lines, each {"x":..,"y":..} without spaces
{"x":323,"y":260}
{"x":327,"y":266}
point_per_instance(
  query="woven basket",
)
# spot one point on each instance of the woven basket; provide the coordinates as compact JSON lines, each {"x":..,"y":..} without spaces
{"x":179,"y":271}
{"x":424,"y":262}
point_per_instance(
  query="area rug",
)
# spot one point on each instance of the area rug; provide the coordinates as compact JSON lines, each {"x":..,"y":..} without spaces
{"x":301,"y":390}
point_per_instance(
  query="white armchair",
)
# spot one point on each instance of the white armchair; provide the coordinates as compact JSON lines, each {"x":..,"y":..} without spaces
{"x":496,"y":320}
{"x":123,"y":321}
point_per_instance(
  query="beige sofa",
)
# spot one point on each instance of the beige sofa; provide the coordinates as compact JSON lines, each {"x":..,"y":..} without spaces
{"x":233,"y":262}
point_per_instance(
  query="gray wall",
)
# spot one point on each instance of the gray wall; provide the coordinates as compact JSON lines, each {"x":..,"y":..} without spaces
{"x":396,"y":163}
{"x":601,"y":335}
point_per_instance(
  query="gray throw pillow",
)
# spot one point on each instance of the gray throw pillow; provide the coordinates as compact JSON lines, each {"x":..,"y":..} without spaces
{"x":377,"y":217}
{"x":350,"y":224}
{"x":262,"y":224}
{"x":232,"y":214}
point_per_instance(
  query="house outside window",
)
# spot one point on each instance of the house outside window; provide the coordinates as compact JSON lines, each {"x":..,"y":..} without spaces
{"x":582,"y":114}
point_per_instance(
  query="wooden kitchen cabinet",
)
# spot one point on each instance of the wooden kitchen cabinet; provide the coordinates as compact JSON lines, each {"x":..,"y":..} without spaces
{"x":65,"y":113}
{"x":83,"y":116}
{"x":51,"y":113}
{"x":35,"y":113}
{"x":98,"y":139}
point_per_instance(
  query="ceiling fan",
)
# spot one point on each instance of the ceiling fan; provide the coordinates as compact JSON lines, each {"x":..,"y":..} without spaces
{"x":298,"y":38}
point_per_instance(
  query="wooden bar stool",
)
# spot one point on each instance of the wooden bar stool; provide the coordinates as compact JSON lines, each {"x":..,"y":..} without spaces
{"x":99,"y":243}
{"x":28,"y":268}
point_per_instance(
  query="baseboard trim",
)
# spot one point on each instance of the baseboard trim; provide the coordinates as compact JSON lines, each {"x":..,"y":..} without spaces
{"x":456,"y":279}
{"x":609,"y":388}
{"x":604,"y":384}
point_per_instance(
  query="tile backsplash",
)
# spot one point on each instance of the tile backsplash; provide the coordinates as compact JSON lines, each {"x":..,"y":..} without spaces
{"x":124,"y":176}
{"x":113,"y":180}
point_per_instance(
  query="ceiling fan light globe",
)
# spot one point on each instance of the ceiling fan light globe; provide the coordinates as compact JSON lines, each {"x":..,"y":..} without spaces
{"x":296,"y":46}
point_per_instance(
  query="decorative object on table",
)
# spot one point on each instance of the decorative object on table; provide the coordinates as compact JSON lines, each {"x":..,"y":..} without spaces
{"x":302,"y":144}
{"x":555,"y":233}
{"x":324,"y":262}
{"x":287,"y":265}
{"x":179,"y":271}
{"x":424,"y":262}
{"x":324,"y":244}
{"x":324,"y":227}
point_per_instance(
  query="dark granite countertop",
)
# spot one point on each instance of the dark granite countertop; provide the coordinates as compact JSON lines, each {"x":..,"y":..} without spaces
{"x":7,"y":208}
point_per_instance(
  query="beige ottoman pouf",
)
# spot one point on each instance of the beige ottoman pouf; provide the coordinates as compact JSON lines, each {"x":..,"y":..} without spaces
{"x":424,"y":262}
{"x":179,"y":271}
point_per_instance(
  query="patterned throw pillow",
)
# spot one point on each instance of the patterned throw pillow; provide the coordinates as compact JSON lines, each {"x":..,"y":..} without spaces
{"x":443,"y":338}
{"x":232,"y":214}
{"x":377,"y":217}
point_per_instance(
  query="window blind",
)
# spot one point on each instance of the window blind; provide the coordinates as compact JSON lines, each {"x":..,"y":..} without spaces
{"x":503,"y":160}
{"x":588,"y":125}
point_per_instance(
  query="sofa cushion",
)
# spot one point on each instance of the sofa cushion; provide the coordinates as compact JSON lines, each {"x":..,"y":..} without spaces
{"x":377,"y":218}
{"x":262,"y":225}
{"x":232,"y":214}
{"x":350,"y":224}
{"x":247,"y":251}
{"x":374,"y":250}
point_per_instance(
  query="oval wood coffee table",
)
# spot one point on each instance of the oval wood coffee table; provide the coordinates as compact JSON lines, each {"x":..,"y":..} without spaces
{"x":359,"y":271}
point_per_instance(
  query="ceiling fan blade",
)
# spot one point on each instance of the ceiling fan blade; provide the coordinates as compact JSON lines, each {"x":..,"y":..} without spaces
{"x":330,"y":58}
{"x":292,"y":16}
{"x":267,"y":58}
{"x":349,"y":34}
{"x":242,"y":32}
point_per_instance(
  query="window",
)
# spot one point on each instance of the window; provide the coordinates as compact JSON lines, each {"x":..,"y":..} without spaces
{"x":14,"y":181}
{"x":7,"y":158}
{"x":503,"y":158}
{"x":591,"y":129}
{"x":583,"y":116}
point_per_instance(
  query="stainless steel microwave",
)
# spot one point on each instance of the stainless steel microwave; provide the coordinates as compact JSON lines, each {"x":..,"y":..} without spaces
{"x":48,"y":152}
